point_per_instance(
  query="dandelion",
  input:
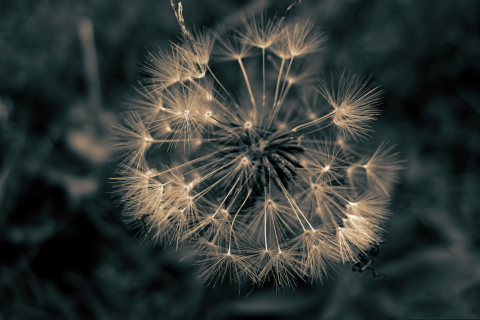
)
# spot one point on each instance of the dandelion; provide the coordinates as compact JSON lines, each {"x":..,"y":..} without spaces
{"x":265,"y":184}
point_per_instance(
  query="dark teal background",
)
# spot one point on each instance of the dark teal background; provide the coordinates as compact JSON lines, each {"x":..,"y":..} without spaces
{"x":65,"y":252}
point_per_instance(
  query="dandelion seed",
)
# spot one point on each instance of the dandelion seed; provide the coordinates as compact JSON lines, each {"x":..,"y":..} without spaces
{"x":259,"y":32}
{"x":382,"y":168}
{"x":229,"y":47}
{"x":302,"y":38}
{"x":354,"y":103}
{"x":165,"y":68}
{"x":132,"y":140}
{"x":195,"y":54}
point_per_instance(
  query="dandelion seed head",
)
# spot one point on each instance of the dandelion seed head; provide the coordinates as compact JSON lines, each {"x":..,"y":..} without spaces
{"x":265,"y":189}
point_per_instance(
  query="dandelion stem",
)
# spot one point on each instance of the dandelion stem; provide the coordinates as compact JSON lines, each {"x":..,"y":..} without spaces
{"x":235,"y":196}
{"x":313,"y":122}
{"x":225,"y":199}
{"x":276,"y":237}
{"x":263,"y":72}
{"x":286,"y":75}
{"x":282,"y":98}
{"x":180,"y":140}
{"x":235,"y":217}
{"x":191,"y":162}
{"x":216,"y":170}
{"x":294,"y":206}
{"x":318,"y":129}
{"x":249,"y":89}
{"x":278,"y":104}
{"x":222,"y":125}
{"x":290,"y":202}
{"x":278,"y":81}
{"x":221,"y":86}
{"x":265,"y":219}
{"x":273,"y":115}
{"x":210,"y":187}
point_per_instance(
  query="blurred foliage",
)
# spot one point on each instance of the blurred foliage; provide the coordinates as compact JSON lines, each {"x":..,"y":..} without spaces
{"x":65,"y":70}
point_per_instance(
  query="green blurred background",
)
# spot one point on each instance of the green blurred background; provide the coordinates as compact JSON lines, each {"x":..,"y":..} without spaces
{"x":66,"y":68}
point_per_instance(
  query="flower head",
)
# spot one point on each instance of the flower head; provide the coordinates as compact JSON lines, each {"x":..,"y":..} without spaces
{"x":264,"y":187}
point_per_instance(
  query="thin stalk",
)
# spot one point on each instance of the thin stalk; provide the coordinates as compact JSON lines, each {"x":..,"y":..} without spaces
{"x":286,"y":75}
{"x":276,"y":237}
{"x":284,"y":95}
{"x":263,"y":65}
{"x":179,"y":140}
{"x":222,"y":125}
{"x":265,"y":220}
{"x":191,"y":162}
{"x":221,"y":85}
{"x":210,"y":187}
{"x":277,"y":104}
{"x":235,"y":217}
{"x":249,"y":88}
{"x":225,"y":199}
{"x":313,"y":122}
{"x":216,"y":170}
{"x":295,"y":211}
{"x":278,"y":81}
{"x":295,"y":207}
